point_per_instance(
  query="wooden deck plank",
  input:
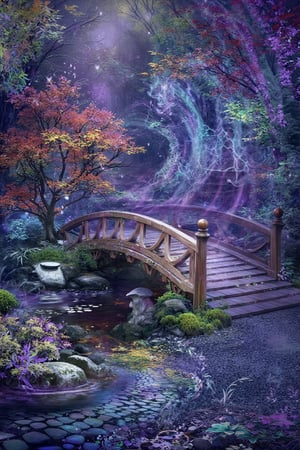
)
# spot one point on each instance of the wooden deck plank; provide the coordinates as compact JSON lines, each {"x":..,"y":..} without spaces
{"x":233,"y":274}
{"x":236,"y":291}
{"x":239,"y":283}
{"x":263,"y":307}
{"x":236,"y":304}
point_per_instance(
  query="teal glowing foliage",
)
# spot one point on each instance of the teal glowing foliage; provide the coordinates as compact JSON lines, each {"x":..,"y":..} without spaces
{"x":264,"y":429}
{"x":228,"y":429}
{"x":25,"y":228}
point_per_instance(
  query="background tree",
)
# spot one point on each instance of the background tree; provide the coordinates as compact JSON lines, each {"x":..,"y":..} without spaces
{"x":58,"y":153}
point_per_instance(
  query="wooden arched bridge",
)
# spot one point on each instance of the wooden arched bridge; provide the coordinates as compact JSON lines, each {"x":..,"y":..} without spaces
{"x":238,"y":268}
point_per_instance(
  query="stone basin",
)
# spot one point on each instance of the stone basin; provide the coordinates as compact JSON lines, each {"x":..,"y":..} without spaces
{"x":50,"y":265}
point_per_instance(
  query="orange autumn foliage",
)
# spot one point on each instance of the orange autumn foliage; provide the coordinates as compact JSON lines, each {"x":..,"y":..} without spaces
{"x":57,"y":151}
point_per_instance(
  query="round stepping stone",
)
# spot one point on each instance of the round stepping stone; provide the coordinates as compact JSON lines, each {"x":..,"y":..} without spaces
{"x":15,"y":444}
{"x":105,"y":417}
{"x":50,"y":447}
{"x":56,"y":433}
{"x":35,"y":438}
{"x":75,"y":439}
{"x":53,"y":423}
{"x":121,"y":422}
{"x":70,"y":428}
{"x":65,"y":420}
{"x":5,"y":436}
{"x":68,"y":446}
{"x":23,"y":422}
{"x":81,"y":425}
{"x":88,"y":413}
{"x":108,"y":427}
{"x":93,"y":422}
{"x":94,"y":432}
{"x":91,"y":446}
{"x":76,"y":416}
{"x":38,"y":425}
{"x":37,"y":419}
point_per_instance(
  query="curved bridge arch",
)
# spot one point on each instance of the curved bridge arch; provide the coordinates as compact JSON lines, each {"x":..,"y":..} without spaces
{"x":158,"y":245}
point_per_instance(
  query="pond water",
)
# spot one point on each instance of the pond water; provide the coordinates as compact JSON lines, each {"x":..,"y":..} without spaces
{"x":97,"y":312}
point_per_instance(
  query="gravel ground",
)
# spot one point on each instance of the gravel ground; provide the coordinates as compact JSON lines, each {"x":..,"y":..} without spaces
{"x":265,"y":348}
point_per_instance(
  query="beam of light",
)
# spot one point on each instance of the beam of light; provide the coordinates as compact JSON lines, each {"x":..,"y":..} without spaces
{"x":201,"y":161}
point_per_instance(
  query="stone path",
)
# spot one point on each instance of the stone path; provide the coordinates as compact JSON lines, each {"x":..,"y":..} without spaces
{"x":142,"y":401}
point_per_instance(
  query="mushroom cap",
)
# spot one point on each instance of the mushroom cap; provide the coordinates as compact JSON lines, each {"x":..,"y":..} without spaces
{"x":141,"y":292}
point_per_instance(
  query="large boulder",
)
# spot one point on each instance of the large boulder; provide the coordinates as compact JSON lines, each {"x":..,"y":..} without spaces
{"x":172,"y":306}
{"x":74,"y":332}
{"x":129,"y":332}
{"x":91,"y":369}
{"x":70,"y":271}
{"x":63,"y":374}
{"x":92,"y":281}
{"x":50,"y":274}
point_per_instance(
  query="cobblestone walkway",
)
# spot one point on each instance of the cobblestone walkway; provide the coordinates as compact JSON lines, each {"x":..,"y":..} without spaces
{"x":141,"y":401}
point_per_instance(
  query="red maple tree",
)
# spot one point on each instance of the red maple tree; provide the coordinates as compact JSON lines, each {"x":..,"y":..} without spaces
{"x":57,"y":153}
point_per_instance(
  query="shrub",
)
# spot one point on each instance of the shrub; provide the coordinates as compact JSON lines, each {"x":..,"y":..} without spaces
{"x":217,"y":324}
{"x":218,"y":314}
{"x":81,"y":256}
{"x":189,"y":324}
{"x":24,"y":345}
{"x":7,"y":301}
{"x":205,"y":327}
{"x":169,"y":321}
{"x":50,"y":253}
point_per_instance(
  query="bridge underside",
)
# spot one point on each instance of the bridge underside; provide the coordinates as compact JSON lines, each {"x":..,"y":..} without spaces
{"x":150,"y":261}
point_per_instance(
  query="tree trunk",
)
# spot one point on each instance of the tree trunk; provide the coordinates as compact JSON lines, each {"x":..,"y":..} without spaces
{"x":50,"y":232}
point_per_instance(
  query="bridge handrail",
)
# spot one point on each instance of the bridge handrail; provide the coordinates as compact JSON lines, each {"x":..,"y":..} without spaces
{"x":140,"y":218}
{"x":270,"y":236}
{"x":159,"y":252}
{"x":174,"y":211}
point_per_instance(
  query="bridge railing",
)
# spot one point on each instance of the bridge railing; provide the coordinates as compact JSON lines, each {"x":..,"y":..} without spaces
{"x":180,"y":258}
{"x":243,"y":237}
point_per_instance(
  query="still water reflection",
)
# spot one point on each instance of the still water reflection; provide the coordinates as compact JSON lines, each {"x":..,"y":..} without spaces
{"x":97,"y":312}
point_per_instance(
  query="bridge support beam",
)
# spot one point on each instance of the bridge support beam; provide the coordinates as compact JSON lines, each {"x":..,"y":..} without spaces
{"x":202,"y":235}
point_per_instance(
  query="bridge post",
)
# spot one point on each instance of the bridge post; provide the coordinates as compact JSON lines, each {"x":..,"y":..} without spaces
{"x":275,"y":245}
{"x":199,"y":299}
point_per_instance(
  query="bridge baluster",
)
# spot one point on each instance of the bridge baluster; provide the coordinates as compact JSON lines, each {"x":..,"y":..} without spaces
{"x":86,"y":232}
{"x":275,"y":247}
{"x":104,"y":227}
{"x":98,"y":228}
{"x":202,"y":236}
